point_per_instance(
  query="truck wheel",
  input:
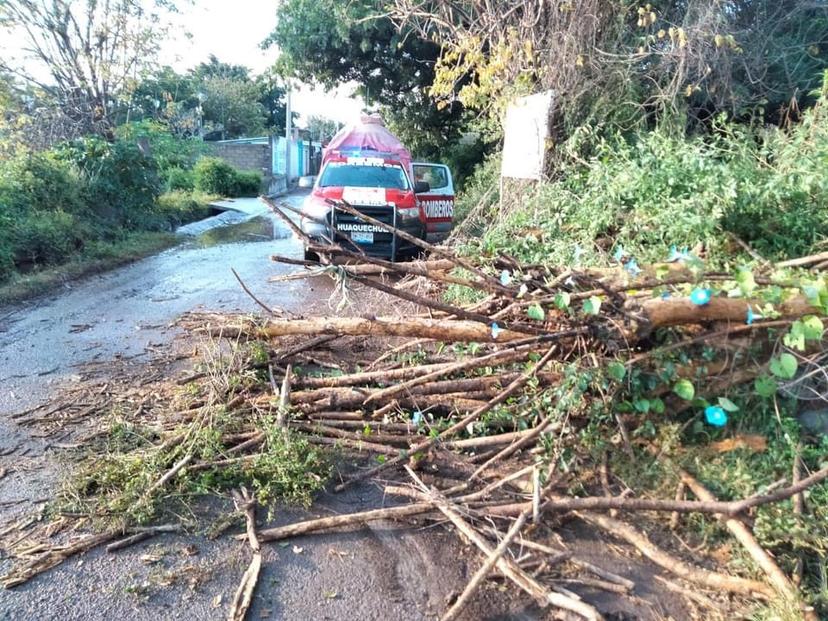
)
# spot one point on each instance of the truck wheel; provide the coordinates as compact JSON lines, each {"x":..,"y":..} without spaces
{"x":311,"y":256}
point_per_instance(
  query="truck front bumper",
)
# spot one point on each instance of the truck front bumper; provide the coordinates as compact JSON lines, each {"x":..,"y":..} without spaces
{"x":384,"y":244}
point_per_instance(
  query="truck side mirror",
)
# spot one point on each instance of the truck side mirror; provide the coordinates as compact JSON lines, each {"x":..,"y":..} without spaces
{"x":421,"y":186}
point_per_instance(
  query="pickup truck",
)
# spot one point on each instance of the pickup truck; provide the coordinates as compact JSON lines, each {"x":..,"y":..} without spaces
{"x":369,"y":169}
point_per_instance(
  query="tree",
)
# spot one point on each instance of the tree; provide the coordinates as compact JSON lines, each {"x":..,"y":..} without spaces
{"x":231,"y":106}
{"x":322,"y":129}
{"x":214,"y":68}
{"x":612,"y":57}
{"x":332,"y":43}
{"x":90,"y":50}
{"x":272,"y":98}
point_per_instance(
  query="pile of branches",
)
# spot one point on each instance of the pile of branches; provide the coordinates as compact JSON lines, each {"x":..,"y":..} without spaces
{"x":472,"y":405}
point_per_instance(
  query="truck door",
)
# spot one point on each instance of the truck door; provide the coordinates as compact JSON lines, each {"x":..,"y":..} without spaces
{"x":438,"y":202}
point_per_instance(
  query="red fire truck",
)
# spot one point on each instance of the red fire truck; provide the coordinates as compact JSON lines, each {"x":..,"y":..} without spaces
{"x":367,"y":167}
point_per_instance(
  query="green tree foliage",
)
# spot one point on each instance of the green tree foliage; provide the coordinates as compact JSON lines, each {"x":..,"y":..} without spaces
{"x":322,"y":129}
{"x":231,"y":107}
{"x":620,"y":61}
{"x":216,"y":99}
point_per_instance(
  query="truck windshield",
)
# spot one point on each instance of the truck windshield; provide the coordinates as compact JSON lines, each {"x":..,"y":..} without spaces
{"x":341,"y":174}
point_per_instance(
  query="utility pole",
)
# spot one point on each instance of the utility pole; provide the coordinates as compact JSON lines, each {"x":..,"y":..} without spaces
{"x":288,"y":132}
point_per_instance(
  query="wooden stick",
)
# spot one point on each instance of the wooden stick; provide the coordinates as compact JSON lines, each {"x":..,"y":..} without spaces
{"x":167,"y":476}
{"x":443,"y":330}
{"x":284,"y":397}
{"x":526,"y":440}
{"x":508,"y":567}
{"x":339,"y":521}
{"x":244,"y":594}
{"x":700,"y":576}
{"x":53,"y":557}
{"x":480,"y":575}
{"x":426,"y":246}
{"x":462,"y":424}
{"x":141,"y":535}
{"x":456,"y":367}
{"x":814,"y":258}
{"x":777,"y":578}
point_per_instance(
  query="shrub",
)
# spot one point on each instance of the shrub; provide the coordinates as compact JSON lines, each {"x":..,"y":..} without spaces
{"x":39,"y":181}
{"x":214,"y":176}
{"x":169,"y":151}
{"x":121,"y":183}
{"x":46,"y":237}
{"x":179,"y":179}
{"x":179,"y":207}
{"x":657,"y":189}
{"x":247,"y":184}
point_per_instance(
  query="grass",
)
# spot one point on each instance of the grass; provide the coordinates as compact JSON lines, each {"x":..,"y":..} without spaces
{"x":97,"y":257}
{"x":112,"y":480}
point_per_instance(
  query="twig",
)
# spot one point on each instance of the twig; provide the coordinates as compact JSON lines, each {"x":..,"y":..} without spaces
{"x":673,"y":564}
{"x":480,"y":574}
{"x":250,"y":293}
{"x":284,"y":397}
{"x":778,"y":580}
{"x":462,"y":424}
{"x":247,"y":586}
{"x":167,"y":476}
{"x":508,"y":567}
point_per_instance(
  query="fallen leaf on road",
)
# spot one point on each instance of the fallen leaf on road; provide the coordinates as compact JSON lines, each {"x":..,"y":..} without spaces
{"x":298,"y":550}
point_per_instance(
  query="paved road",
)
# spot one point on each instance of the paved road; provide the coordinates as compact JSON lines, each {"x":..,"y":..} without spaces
{"x":379,"y":574}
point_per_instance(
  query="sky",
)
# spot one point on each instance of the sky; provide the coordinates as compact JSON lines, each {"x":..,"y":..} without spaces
{"x":232,"y":31}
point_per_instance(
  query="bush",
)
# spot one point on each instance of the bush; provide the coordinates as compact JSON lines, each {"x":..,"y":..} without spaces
{"x":215,"y":176}
{"x":40,"y":181}
{"x":658,"y":189}
{"x":46,"y":237}
{"x":247,"y":184}
{"x":179,"y":207}
{"x":168,"y":151}
{"x":122,"y":183}
{"x":179,"y":179}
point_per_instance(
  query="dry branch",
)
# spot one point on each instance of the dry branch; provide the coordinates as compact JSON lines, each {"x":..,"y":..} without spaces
{"x":777,"y":578}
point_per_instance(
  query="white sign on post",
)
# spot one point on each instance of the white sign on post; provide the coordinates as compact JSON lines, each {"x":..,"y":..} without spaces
{"x":526,"y":130}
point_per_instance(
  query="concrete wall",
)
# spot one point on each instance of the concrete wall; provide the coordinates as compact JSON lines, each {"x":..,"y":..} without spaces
{"x":245,"y":156}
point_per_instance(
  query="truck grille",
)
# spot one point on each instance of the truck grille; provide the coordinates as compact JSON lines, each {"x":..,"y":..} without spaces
{"x":385,"y":246}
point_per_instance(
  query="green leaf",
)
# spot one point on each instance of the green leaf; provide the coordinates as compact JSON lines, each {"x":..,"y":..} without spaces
{"x":657,"y":405}
{"x":784,"y":366}
{"x":535,"y":312}
{"x":684,"y":389}
{"x":812,"y":328}
{"x":617,"y":371}
{"x":642,"y":405}
{"x":562,"y":300}
{"x":592,"y":306}
{"x":746,"y":282}
{"x":795,"y":338}
{"x":765,"y":386}
{"x":728,"y":405}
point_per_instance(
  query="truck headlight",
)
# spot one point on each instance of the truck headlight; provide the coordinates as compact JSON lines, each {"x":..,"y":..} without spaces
{"x":408,"y":215}
{"x":315,"y":208}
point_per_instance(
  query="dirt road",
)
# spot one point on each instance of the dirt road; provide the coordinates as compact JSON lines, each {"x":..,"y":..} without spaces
{"x":379,"y":574}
